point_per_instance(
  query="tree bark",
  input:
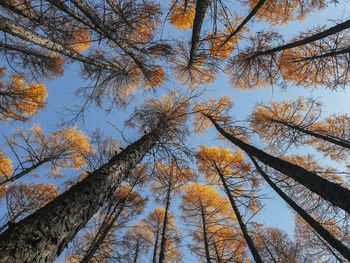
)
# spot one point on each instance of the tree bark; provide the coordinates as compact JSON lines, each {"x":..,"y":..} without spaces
{"x":320,"y":230}
{"x":42,"y":236}
{"x":332,"y":192}
{"x":201,"y":9}
{"x":331,"y":31}
{"x":205,"y":237}
{"x":165,"y":223}
{"x":245,"y":21}
{"x":239,"y":217}
{"x":8,"y":26}
{"x":154,"y":259}
{"x":335,"y":140}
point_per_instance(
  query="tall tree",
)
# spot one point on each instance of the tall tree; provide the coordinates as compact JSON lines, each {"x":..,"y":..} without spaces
{"x":43,"y":235}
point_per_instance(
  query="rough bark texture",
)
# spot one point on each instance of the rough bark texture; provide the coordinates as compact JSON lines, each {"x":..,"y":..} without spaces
{"x":245,"y":21}
{"x":241,"y":223}
{"x":201,"y":9}
{"x":320,"y":230}
{"x":42,"y":236}
{"x":331,"y":31}
{"x":332,"y":192}
{"x":165,"y":223}
{"x":8,"y":26}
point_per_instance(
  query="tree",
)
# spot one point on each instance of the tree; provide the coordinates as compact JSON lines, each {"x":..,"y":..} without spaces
{"x":310,"y":180}
{"x":210,"y":219}
{"x":168,"y":180}
{"x":317,"y":227}
{"x":20,"y":100}
{"x":154,"y":222}
{"x":229,"y":171}
{"x":84,"y":199}
{"x":64,"y":148}
{"x":281,"y":124}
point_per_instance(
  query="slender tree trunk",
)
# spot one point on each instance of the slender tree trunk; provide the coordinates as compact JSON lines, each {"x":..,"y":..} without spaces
{"x":218,"y":259}
{"x":8,"y":26}
{"x":154,"y":259}
{"x":335,"y":140}
{"x":201,"y":9}
{"x":165,"y":223}
{"x":245,"y":21}
{"x":205,"y":237}
{"x":24,"y":172}
{"x":320,"y":230}
{"x":42,"y":236}
{"x":137,"y":251}
{"x":239,"y":217}
{"x":332,"y":53}
{"x":331,"y":31}
{"x":332,"y":192}
{"x":105,"y":228}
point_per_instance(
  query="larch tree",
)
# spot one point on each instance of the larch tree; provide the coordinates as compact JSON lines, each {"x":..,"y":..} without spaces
{"x":64,"y":148}
{"x":168,"y":181}
{"x":229,"y":171}
{"x":41,"y":234}
{"x":210,"y":219}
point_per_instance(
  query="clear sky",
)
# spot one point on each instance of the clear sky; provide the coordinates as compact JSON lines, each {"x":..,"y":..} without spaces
{"x":275,"y":213}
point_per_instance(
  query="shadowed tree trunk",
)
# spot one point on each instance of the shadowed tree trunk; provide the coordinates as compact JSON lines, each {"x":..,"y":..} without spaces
{"x":165,"y":223}
{"x":332,"y":192}
{"x":239,"y":217}
{"x":331,"y":31}
{"x":332,"y":139}
{"x":8,"y":26}
{"x":42,"y":236}
{"x":320,"y":230}
{"x":205,"y":237}
{"x":245,"y":21}
{"x":154,"y":259}
{"x":201,"y":9}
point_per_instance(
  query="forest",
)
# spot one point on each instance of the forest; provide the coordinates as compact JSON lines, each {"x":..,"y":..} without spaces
{"x":212,"y":131}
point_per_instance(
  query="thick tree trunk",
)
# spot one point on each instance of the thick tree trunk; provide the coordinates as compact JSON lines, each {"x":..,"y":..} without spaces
{"x":165,"y":223}
{"x":205,"y":237}
{"x":335,"y":140}
{"x":201,"y":9}
{"x":8,"y":26}
{"x":320,"y":230}
{"x":239,"y":217}
{"x":42,"y":236}
{"x":332,"y":192}
{"x":245,"y":21}
{"x":331,"y":31}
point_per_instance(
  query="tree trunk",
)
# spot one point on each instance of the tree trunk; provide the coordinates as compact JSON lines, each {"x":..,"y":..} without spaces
{"x":165,"y":223}
{"x":42,"y":236}
{"x":201,"y":9}
{"x":335,"y":140}
{"x":332,"y":192}
{"x":23,"y":172}
{"x":205,"y":237}
{"x":332,"y":53}
{"x":218,"y":259}
{"x":238,"y":215}
{"x":12,"y":28}
{"x":331,"y":31}
{"x":154,"y":259}
{"x":324,"y":233}
{"x":137,"y":251}
{"x":245,"y":21}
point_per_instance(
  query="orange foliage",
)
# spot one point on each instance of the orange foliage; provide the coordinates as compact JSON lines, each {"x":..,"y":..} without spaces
{"x":20,"y":100}
{"x":155,"y":76}
{"x":180,"y":17}
{"x":215,"y":108}
{"x":81,"y":40}
{"x":6,"y":171}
